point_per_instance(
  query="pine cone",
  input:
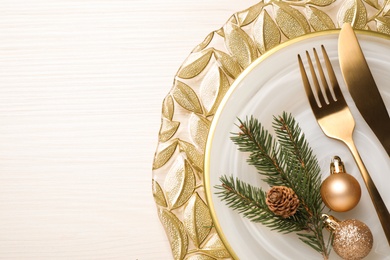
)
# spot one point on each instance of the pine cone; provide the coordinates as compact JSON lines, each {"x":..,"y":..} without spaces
{"x":282,"y":201}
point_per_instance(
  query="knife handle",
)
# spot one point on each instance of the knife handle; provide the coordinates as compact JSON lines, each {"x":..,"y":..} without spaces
{"x":379,"y":204}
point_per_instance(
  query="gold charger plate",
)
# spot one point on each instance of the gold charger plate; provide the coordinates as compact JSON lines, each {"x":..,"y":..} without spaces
{"x":269,"y":86}
{"x":199,"y":86}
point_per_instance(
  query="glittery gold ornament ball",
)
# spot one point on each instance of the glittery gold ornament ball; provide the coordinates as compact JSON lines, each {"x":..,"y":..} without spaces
{"x":352,"y":239}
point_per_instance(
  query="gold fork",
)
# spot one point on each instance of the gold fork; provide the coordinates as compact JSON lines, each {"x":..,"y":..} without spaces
{"x":336,"y":121}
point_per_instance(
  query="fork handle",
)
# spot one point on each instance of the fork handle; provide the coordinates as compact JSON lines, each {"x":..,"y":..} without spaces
{"x":380,"y":206}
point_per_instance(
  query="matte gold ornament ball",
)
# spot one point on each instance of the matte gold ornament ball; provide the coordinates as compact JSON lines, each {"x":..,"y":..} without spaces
{"x":340,"y":191}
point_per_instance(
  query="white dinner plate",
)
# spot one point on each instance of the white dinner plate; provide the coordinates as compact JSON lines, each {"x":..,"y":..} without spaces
{"x":270,"y":86}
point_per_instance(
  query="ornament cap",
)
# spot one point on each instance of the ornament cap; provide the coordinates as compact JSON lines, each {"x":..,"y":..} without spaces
{"x":331,"y":223}
{"x":337,"y":165}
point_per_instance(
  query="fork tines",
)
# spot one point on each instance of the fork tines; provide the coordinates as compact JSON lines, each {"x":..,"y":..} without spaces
{"x":323,"y":94}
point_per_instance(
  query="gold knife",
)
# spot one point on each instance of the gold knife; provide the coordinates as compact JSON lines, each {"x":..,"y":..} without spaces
{"x":361,"y":85}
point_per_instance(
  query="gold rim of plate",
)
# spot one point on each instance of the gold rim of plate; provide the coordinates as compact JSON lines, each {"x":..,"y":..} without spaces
{"x":212,"y":132}
{"x":206,"y":76}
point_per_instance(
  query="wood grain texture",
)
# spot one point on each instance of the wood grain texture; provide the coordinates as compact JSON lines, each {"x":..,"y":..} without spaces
{"x":81,"y":87}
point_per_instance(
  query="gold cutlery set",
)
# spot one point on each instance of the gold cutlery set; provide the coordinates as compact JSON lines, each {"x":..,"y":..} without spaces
{"x":331,"y":110}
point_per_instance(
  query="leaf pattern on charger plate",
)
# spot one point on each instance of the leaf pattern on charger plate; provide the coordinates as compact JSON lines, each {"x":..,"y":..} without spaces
{"x":249,"y":15}
{"x":168,"y":108}
{"x":239,"y":44}
{"x":199,"y":129}
{"x":197,"y":219}
{"x":176,"y":233}
{"x":229,"y":66}
{"x":163,"y":156}
{"x":168,"y":129}
{"x":215,"y":247}
{"x":266,"y":32}
{"x":386,"y":9}
{"x":289,"y":18}
{"x":213,"y":88}
{"x":200,"y":257}
{"x":158,"y":194}
{"x":201,"y":46}
{"x":195,"y":64}
{"x":373,"y":3}
{"x":179,"y":183}
{"x":320,"y":2}
{"x":199,"y":87}
{"x":193,"y":154}
{"x":318,"y":19}
{"x":383,"y":24}
{"x":353,"y":12}
{"x":186,"y":97}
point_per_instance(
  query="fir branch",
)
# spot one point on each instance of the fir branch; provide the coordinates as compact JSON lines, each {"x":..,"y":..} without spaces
{"x":250,"y":202}
{"x":287,"y":161}
{"x":295,"y":146}
{"x":262,"y":150}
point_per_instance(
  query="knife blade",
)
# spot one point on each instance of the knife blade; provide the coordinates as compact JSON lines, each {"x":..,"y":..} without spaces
{"x":362,"y":86}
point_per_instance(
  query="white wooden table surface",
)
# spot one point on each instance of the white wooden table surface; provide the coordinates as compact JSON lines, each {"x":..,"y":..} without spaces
{"x":81,"y":87}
